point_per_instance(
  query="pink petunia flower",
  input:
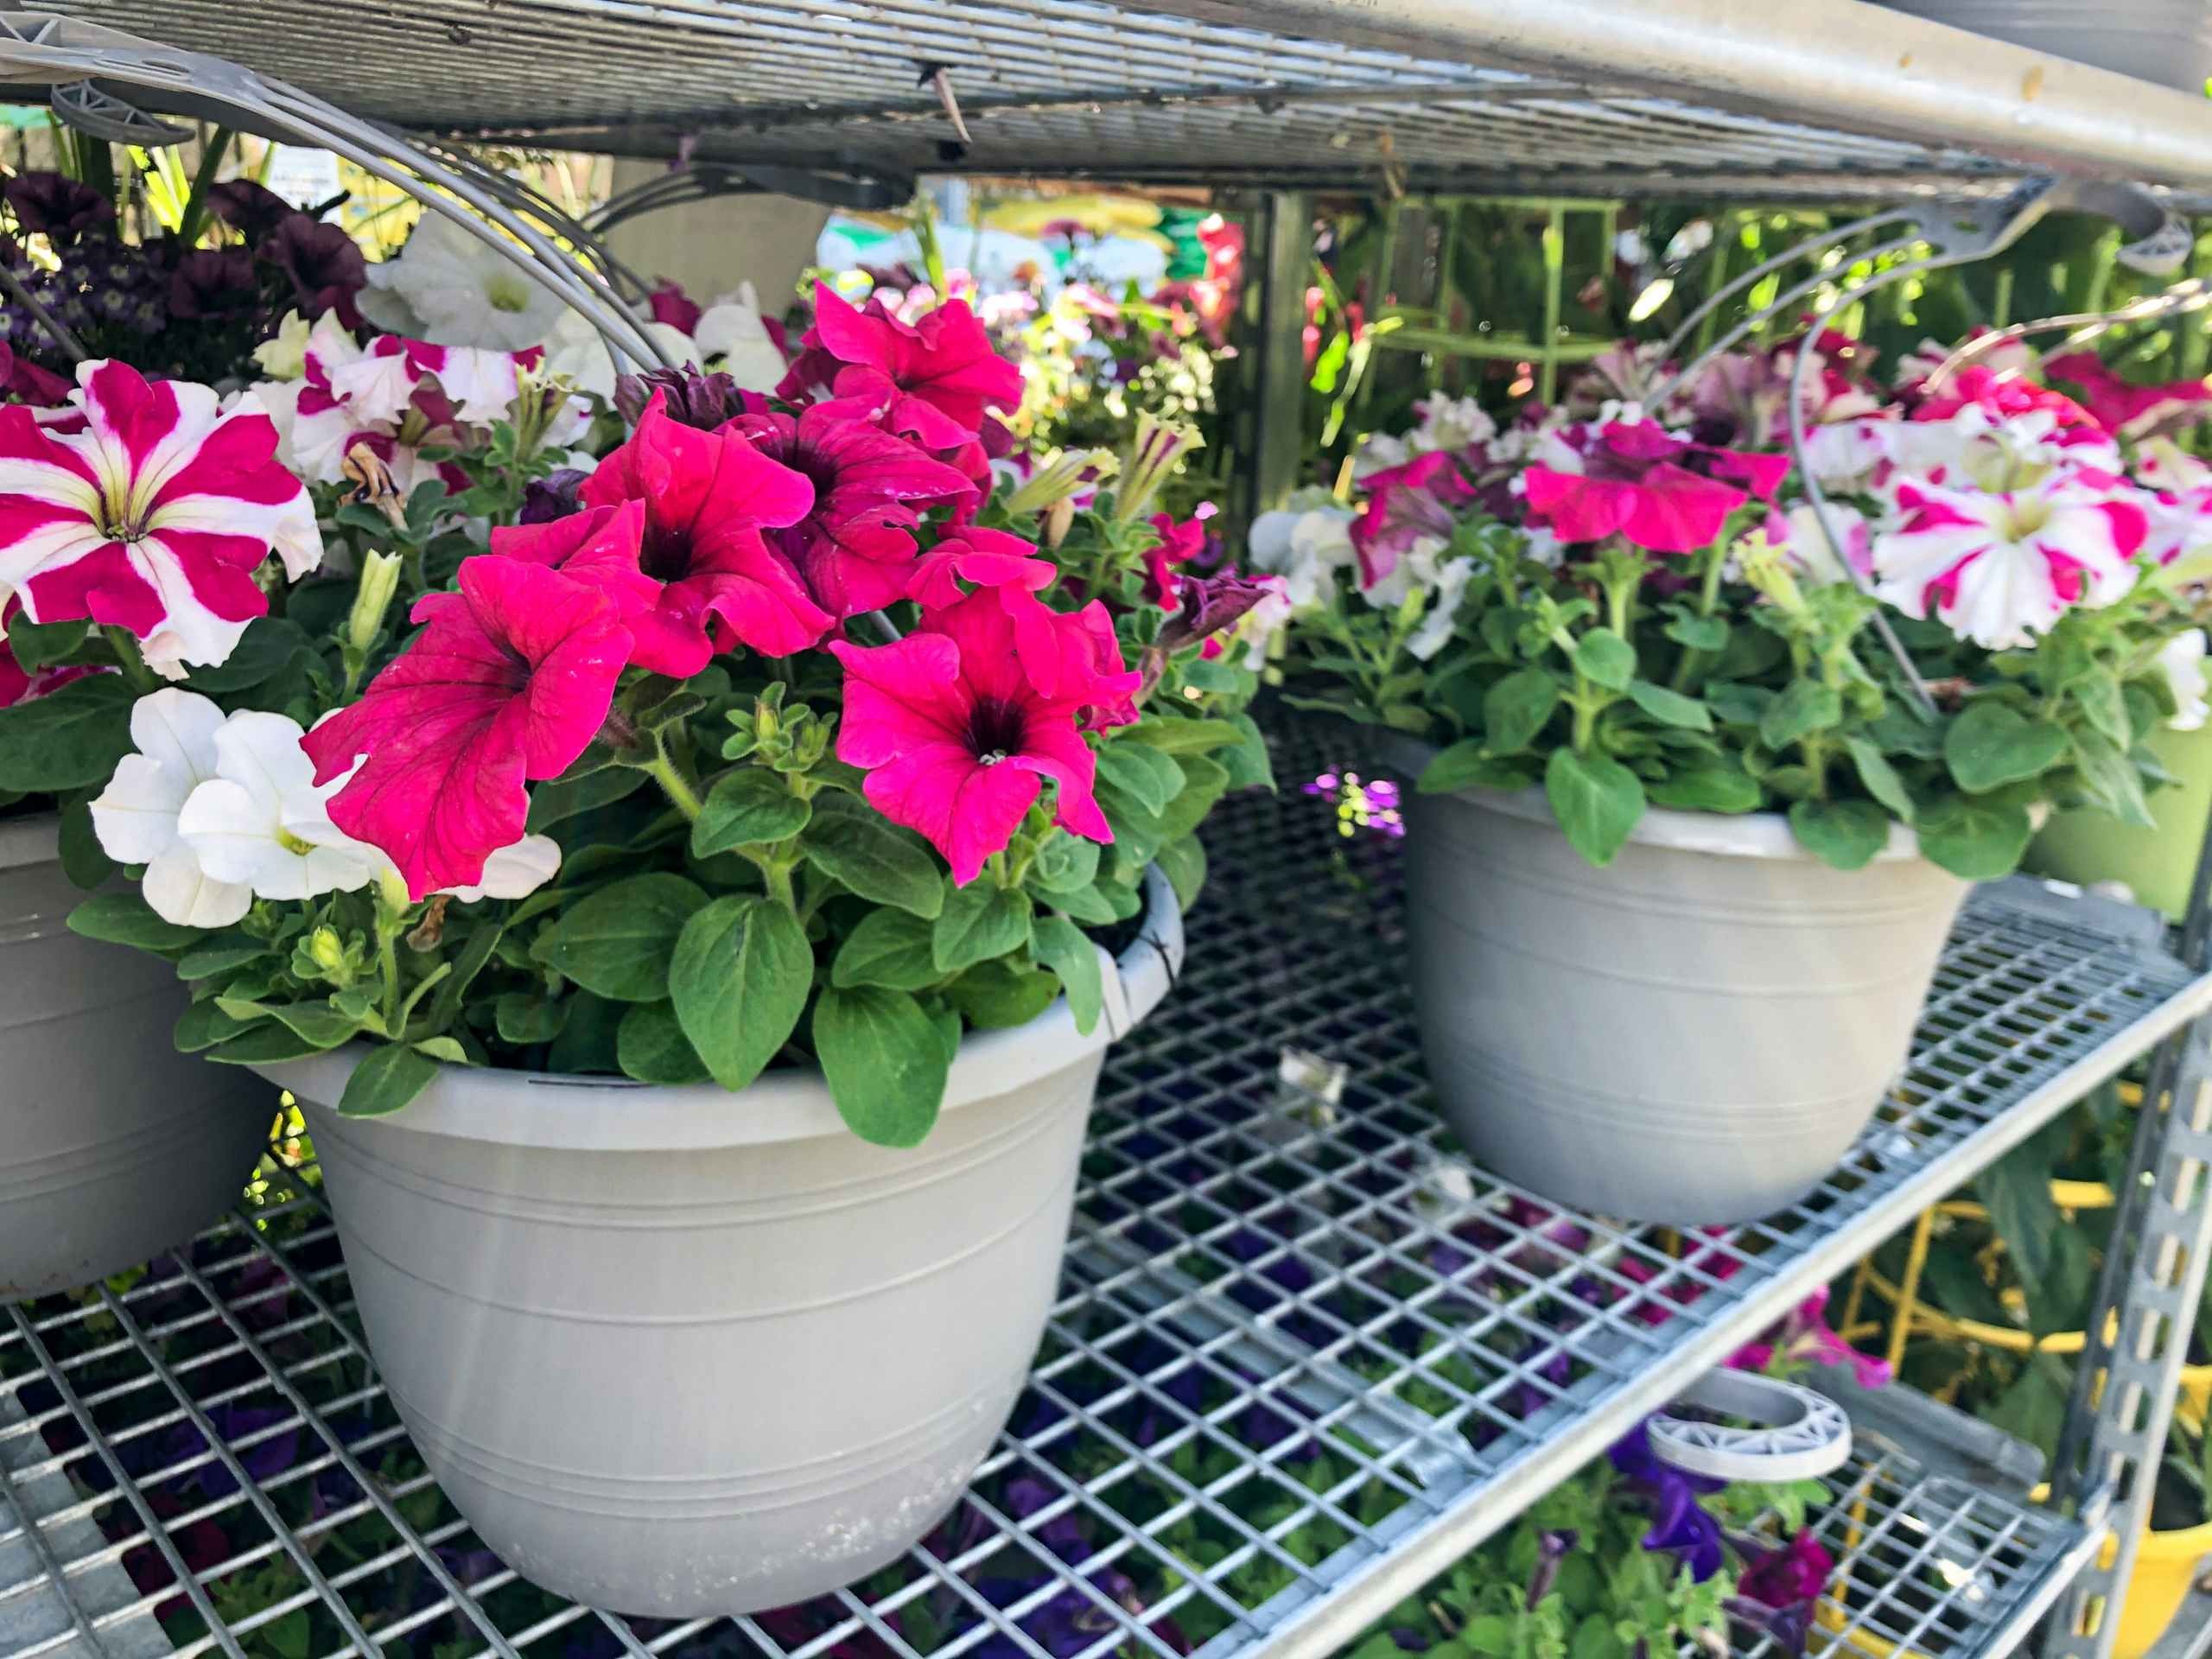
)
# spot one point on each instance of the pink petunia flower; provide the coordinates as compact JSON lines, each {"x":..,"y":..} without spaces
{"x":989,"y":558}
{"x":1178,"y":545}
{"x":1638,"y":481}
{"x":955,"y":732}
{"x":1805,"y":1336}
{"x":2119,"y":405}
{"x":853,"y":544}
{"x":708,"y":496}
{"x":598,"y":547}
{"x":932,"y":377}
{"x":154,"y":518}
{"x":509,"y":682}
{"x":2000,"y":568}
{"x":1406,"y":504}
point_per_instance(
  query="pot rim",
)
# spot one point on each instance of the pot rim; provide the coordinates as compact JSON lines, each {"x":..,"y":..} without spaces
{"x":1726,"y":835}
{"x":549,"y":1110}
{"x":35,"y":838}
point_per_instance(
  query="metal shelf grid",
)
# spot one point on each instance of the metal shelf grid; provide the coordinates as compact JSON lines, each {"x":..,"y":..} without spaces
{"x":1223,"y":94}
{"x":1306,"y":1356}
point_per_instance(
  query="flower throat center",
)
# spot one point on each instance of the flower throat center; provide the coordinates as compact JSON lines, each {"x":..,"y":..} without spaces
{"x":996,"y":730}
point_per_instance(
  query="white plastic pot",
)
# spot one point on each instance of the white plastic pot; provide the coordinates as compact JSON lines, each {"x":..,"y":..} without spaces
{"x":1695,"y":1033}
{"x":112,"y":1145}
{"x":677,"y":1352}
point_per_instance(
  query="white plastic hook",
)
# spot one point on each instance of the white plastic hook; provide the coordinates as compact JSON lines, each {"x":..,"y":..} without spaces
{"x":1798,"y":1434}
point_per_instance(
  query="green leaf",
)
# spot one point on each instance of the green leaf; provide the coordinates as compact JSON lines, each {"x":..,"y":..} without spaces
{"x":996,"y":994}
{"x":1698,"y":633}
{"x":265,"y":1044}
{"x":126,"y":918}
{"x":617,"y":942}
{"x":264,"y":651}
{"x":1670,"y":708}
{"x":1064,"y":863}
{"x":1596,"y":799}
{"x":84,"y":860}
{"x":1178,"y":735}
{"x":589,"y":1041}
{"x":981,"y":921}
{"x":1067,"y":950}
{"x":884,"y":1060}
{"x":69,"y":739}
{"x":2099,"y":697}
{"x":1844,"y":834}
{"x":1184,"y":862}
{"x":1880,"y":777}
{"x":1206,"y":781}
{"x":315,"y":1022}
{"x":851,"y":842}
{"x":890,"y":948}
{"x":652,"y":1048}
{"x":524,"y":1018}
{"x":1993,"y":743}
{"x":740,"y":981}
{"x":223,"y":954}
{"x":203,"y":1024}
{"x":1803,"y":707}
{"x":1249,"y":765}
{"x":2112,"y":778}
{"x":36,"y":645}
{"x":746,"y":808}
{"x":1899,"y":729}
{"x":1709,"y":788}
{"x":1466,"y":764}
{"x":1603,"y":656}
{"x":1514,"y":711}
{"x":448,"y":1049}
{"x":1738,"y":705}
{"x":567,"y":797}
{"x":385,"y":1080}
{"x":1976,"y":840}
{"x":1088,"y":905}
{"x":1145,"y":774}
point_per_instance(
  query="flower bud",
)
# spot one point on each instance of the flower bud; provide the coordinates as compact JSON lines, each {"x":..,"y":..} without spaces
{"x":380,"y":580}
{"x":325,"y":950}
{"x":1064,"y":474}
{"x":1154,"y":453}
{"x":1060,"y":519}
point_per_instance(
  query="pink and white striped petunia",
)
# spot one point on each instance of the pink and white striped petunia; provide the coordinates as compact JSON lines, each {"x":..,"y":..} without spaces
{"x":2000,"y":568}
{"x":154,"y":519}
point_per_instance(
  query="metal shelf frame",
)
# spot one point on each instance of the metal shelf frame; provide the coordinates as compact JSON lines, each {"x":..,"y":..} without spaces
{"x":1832,"y":97}
{"x":1304,"y":1356}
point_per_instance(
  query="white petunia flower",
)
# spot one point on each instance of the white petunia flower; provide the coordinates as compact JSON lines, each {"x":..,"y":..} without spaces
{"x":1435,"y":630}
{"x":576,"y":350}
{"x":2182,"y":663}
{"x":732,"y":330}
{"x":1306,"y":548}
{"x":135,"y":816}
{"x":284,"y":358}
{"x":261,"y":822}
{"x":514,"y":871}
{"x":447,"y":286}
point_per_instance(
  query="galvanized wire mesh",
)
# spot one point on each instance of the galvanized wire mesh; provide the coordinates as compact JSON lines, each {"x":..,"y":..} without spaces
{"x":1046,"y":86}
{"x":1304,"y":1356}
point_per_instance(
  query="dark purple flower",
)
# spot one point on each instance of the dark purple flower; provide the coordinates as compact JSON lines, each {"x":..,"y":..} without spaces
{"x":693,"y":398}
{"x":252,"y":210}
{"x":672,"y":306}
{"x":1786,"y":1627}
{"x":57,"y":205}
{"x":1782,"y":1578}
{"x":1211,"y":605}
{"x":214,"y":282}
{"x":1680,"y":1524}
{"x":554,"y":496}
{"x":326,"y":269}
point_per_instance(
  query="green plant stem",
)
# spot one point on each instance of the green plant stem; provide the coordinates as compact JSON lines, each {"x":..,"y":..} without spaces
{"x":194,"y":213}
{"x":388,"y":965}
{"x":677,"y":788}
{"x":1585,"y":713}
{"x":1708,"y":598}
{"x":142,"y":679}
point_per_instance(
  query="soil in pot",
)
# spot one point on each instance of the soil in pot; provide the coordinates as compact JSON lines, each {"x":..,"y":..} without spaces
{"x":1695,"y":1033}
{"x":675,"y":1352}
{"x":113,"y":1146}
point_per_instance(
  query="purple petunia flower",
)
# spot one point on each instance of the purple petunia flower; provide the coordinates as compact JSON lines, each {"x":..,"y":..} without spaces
{"x":252,"y":210}
{"x":57,"y":206}
{"x":326,"y":269}
{"x":214,"y":282}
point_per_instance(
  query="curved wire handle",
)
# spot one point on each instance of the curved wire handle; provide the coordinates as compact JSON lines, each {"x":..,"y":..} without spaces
{"x":2182,"y":298}
{"x":44,"y":47}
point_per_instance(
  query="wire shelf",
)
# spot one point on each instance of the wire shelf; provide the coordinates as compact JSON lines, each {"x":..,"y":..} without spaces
{"x":1082,"y":88}
{"x":1303,"y":1359}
